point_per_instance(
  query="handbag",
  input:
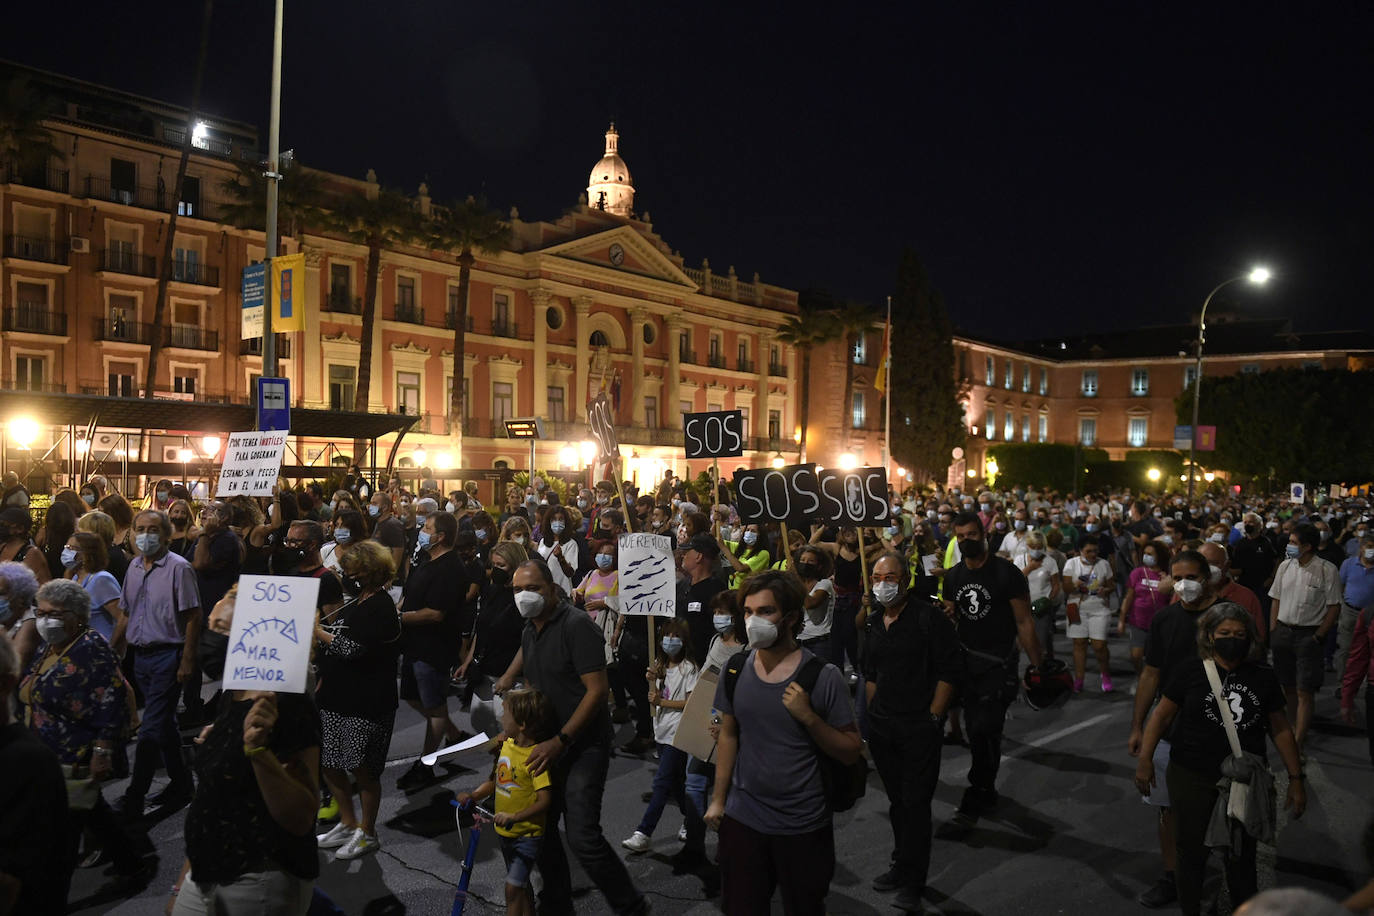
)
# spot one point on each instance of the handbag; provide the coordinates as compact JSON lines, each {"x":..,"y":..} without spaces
{"x":82,"y":789}
{"x":1239,"y":801}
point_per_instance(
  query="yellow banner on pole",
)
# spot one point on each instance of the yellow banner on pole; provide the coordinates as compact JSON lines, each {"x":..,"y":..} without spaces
{"x":288,"y":292}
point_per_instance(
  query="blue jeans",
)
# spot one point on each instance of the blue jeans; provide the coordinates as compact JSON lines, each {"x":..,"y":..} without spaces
{"x":700,"y":775}
{"x":520,"y":853}
{"x":579,"y":780}
{"x":669,"y":780}
{"x":155,"y":669}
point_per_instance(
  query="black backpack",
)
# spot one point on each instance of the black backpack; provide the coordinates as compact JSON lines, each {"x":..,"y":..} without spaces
{"x":843,"y":783}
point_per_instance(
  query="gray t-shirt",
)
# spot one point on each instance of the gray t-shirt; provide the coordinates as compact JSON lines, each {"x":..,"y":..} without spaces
{"x":569,"y":646}
{"x":776,"y":786}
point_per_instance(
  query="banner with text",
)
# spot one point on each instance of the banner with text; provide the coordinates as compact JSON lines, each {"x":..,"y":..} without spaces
{"x":601,"y":426}
{"x":648,"y":580}
{"x":799,"y":495}
{"x":254,"y":294}
{"x":252,"y":462}
{"x":273,"y":629}
{"x":713,"y":434}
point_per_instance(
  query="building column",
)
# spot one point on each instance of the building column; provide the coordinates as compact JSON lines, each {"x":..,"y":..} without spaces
{"x":539,"y":299}
{"x":672,"y":391}
{"x":582,"y":306}
{"x":309,"y":361}
{"x":638,"y":317}
{"x":760,"y":418}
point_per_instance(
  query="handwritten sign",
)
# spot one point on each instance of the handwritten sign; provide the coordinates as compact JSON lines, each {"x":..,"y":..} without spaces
{"x":252,"y":462}
{"x":274,"y":625}
{"x":601,"y":425}
{"x":713,"y":434}
{"x":648,"y":583}
{"x":799,"y":494}
{"x":856,"y":497}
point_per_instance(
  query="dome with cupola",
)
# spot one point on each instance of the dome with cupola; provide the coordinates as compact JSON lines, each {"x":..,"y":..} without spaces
{"x":609,"y":187}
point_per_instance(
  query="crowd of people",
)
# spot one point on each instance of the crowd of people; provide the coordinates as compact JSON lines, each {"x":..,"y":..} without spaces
{"x":827,"y":646}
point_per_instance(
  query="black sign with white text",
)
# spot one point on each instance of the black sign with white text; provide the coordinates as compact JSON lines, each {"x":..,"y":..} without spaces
{"x":601,"y":425}
{"x":799,"y":494}
{"x":714,"y":434}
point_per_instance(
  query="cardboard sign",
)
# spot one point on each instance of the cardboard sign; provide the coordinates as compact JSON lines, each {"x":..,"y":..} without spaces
{"x":1297,"y":493}
{"x":648,"y":580}
{"x":713,"y":434}
{"x":692,"y":729}
{"x":252,"y":462}
{"x":274,"y":625}
{"x":798,"y":494}
{"x":601,"y":426}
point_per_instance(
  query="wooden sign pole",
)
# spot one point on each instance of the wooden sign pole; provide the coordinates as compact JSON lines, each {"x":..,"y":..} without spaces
{"x":786,"y":551}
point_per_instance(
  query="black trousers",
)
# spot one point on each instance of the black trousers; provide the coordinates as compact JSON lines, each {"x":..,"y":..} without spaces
{"x":985,"y":697}
{"x":1192,"y":795}
{"x":632,"y":661}
{"x":907,"y":756}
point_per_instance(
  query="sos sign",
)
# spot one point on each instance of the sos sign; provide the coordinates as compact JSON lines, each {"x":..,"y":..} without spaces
{"x":799,"y":494}
{"x":601,"y":426}
{"x":714,"y":434}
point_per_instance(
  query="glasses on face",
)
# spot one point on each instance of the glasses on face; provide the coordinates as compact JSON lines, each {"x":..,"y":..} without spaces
{"x":294,"y":543}
{"x":41,"y":611}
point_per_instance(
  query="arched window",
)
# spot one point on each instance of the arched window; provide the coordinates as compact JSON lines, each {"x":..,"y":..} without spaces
{"x":599,"y":339}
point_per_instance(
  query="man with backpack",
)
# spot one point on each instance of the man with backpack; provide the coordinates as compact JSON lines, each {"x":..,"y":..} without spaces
{"x":787,"y":750}
{"x":911,"y":662}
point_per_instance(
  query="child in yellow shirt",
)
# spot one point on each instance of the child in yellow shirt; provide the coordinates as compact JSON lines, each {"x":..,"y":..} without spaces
{"x":521,"y":798}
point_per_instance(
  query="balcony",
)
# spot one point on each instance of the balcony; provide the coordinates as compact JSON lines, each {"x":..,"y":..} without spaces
{"x":124,"y":261}
{"x":31,"y":248}
{"x":253,"y":346}
{"x":42,"y":177}
{"x":767,"y":444}
{"x":195,"y":273}
{"x":746,"y":365}
{"x":24,"y":384}
{"x":777,"y":371}
{"x":715,"y":360}
{"x":451,"y":321}
{"x":118,"y":330}
{"x":145,"y":196}
{"x":504,"y":328}
{"x":409,"y":313}
{"x":689,"y":357}
{"x":340,"y":300}
{"x":35,"y":318}
{"x":190,"y":337}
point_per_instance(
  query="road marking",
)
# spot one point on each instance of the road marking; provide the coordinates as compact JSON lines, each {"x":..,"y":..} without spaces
{"x":961,"y":771}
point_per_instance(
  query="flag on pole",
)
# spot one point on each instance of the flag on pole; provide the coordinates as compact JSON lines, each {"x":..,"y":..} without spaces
{"x":880,"y":380}
{"x":288,"y":293}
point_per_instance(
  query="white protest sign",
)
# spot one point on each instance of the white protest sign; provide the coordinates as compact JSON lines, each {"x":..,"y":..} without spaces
{"x":1297,"y":493}
{"x":252,"y":462}
{"x":274,"y":625}
{"x":648,"y":583}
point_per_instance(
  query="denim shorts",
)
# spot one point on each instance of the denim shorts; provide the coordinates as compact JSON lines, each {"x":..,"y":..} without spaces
{"x":519,"y":853}
{"x":424,"y":683}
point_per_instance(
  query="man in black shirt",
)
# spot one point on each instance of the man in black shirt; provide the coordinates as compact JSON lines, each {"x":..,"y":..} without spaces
{"x":304,"y":539}
{"x":431,"y":638}
{"x":695,"y":591}
{"x":989,"y":600}
{"x":911,"y":661}
{"x":1254,"y":560}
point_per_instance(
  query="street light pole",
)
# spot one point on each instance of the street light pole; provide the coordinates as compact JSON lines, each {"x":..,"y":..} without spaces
{"x":269,"y":341}
{"x":1258,"y":276}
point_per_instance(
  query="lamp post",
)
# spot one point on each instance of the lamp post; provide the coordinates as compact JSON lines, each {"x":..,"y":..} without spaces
{"x":1258,"y":276}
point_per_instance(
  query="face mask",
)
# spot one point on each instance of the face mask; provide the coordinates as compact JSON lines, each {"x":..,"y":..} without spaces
{"x":1166,"y":539}
{"x":1001,"y":526}
{"x":750,"y":538}
{"x":214,"y":649}
{"x":1292,"y":551}
{"x":931,"y":514}
{"x":68,"y":557}
{"x":971,"y":548}
{"x":543,"y":502}
{"x":480,"y":533}
{"x":148,"y":542}
{"x":762,"y":632}
{"x":1036,"y":554}
{"x":604,"y":561}
{"x":449,"y":506}
{"x":892,"y":531}
{"x":5,"y":611}
{"x":722,"y":622}
{"x":808,"y":570}
{"x":1216,"y":574}
{"x":1325,"y":534}
{"x":1148,"y":560}
{"x":1090,"y":527}
{"x":178,"y":521}
{"x":1231,"y":648}
{"x":672,"y":644}
{"x":529,"y":604}
{"x":1252,"y":530}
{"x":88,"y":498}
{"x":1217,"y":538}
{"x":52,"y":630}
{"x":342,"y":535}
{"x":1188,"y":590}
{"x":982,"y":507}
{"x":582,"y":504}
{"x":887,"y":593}
{"x":1159,"y":514}
{"x":556,"y":527}
{"x":422,"y":540}
{"x":519,"y":539}
{"x":163,"y":496}
{"x":1369,"y":553}
{"x":374,"y":510}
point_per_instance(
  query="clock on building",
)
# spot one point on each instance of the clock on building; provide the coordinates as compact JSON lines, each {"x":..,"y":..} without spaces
{"x":617,"y":254}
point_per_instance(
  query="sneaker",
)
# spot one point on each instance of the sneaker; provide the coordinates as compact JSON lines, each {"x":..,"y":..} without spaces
{"x":329,"y":811}
{"x":1106,"y":683}
{"x":1078,"y":685}
{"x":338,"y":836}
{"x":888,"y":881}
{"x":638,"y":842}
{"x":682,"y":834}
{"x":909,"y":901}
{"x":360,"y":845}
{"x":97,"y":856}
{"x":1162,"y":894}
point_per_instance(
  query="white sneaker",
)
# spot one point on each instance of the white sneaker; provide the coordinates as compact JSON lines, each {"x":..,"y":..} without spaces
{"x":360,"y":845}
{"x":682,"y":834}
{"x":639,"y":842}
{"x":335,"y":838}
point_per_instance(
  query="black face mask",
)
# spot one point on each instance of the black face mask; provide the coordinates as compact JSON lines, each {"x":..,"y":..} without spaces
{"x":808,"y":570}
{"x":1252,"y":530}
{"x":214,"y":649}
{"x":351,"y":586}
{"x":1231,"y":648}
{"x":500,"y":576}
{"x":287,"y":560}
{"x":971,"y":548}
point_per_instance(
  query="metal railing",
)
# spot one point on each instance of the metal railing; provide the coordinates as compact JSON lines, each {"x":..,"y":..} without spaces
{"x":23,"y":384}
{"x":35,"y":318}
{"x":340,"y":300}
{"x":196,"y":273}
{"x":777,"y":371}
{"x":190,"y":337}
{"x":145,"y":196}
{"x":253,"y":346}
{"x":715,"y":360}
{"x":410,"y":314}
{"x":687,"y":356}
{"x":746,"y":365}
{"x":124,"y":261}
{"x":451,"y":321}
{"x":504,"y":328}
{"x":45,"y":177}
{"x":122,"y":331}
{"x":32,"y":248}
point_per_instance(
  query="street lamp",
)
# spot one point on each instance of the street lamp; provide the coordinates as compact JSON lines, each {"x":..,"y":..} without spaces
{"x":419,"y":455}
{"x":848,"y":462}
{"x":1258,"y":276}
{"x":1153,"y":474}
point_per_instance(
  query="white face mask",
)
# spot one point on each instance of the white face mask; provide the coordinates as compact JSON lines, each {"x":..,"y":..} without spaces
{"x":1188,"y":590}
{"x":722,"y":622}
{"x":449,"y":506}
{"x":762,"y":632}
{"x":1369,"y":553}
{"x":52,"y":630}
{"x":529,"y":604}
{"x":1216,"y":574}
{"x":68,"y":557}
{"x":887,"y":593}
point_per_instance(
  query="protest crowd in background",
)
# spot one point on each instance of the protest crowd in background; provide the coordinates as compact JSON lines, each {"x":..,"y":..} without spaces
{"x":820,"y":651}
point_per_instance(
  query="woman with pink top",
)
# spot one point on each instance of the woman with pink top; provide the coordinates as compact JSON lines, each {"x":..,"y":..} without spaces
{"x":1146,"y":593}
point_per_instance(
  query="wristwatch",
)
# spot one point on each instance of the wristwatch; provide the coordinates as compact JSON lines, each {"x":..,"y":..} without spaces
{"x":562,"y":736}
{"x":937,"y":718}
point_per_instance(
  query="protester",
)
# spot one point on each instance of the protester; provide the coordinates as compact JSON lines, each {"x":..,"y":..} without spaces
{"x":1042,"y":578}
{"x":1199,"y":747}
{"x":1227,"y":589}
{"x":1359,"y":665}
{"x":101,"y":525}
{"x":184,"y":530}
{"x":86,"y":562}
{"x":912,"y":662}
{"x":1255,"y":562}
{"x":58,"y":525}
{"x":1306,"y":597}
{"x":1357,"y":594}
{"x":1144,"y":598}
{"x":387,"y":529}
{"x":122,"y":514}
{"x":347,"y":528}
{"x":18,"y":585}
{"x":697,"y":588}
{"x":560,"y":548}
{"x":17,"y":546}
{"x":495,"y":639}
{"x":1087,"y":581}
{"x":747,"y":555}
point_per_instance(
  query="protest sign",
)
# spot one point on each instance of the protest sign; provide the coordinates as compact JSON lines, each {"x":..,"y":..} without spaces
{"x":857,"y":497}
{"x":693,"y":729}
{"x":713,"y":434}
{"x":601,"y":426}
{"x":800,"y":495}
{"x":648,"y":581}
{"x":274,"y":626}
{"x":252,"y":461}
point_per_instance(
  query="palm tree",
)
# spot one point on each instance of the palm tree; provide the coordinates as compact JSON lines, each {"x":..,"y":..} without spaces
{"x":804,"y":331}
{"x":24,"y":143}
{"x":383,"y":221}
{"x":853,"y":319}
{"x":300,"y":200}
{"x":469,"y":228}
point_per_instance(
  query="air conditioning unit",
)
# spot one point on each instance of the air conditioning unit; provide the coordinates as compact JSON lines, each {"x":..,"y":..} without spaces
{"x":81,"y":245}
{"x":171,"y":454}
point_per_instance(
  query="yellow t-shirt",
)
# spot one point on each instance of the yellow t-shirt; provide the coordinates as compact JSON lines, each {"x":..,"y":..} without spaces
{"x":758,"y":560}
{"x":516,"y":789}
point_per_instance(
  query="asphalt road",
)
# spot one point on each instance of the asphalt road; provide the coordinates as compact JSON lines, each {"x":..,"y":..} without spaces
{"x":1070,"y":835}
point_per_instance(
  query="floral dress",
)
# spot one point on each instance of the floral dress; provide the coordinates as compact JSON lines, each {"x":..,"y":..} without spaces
{"x":76,"y":698}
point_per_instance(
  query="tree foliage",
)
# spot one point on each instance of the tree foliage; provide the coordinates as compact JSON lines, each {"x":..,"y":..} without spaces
{"x":300,"y":200}
{"x":1288,"y":424}
{"x":811,"y":326}
{"x":24,"y":141}
{"x":1043,"y":464}
{"x":927,"y":421}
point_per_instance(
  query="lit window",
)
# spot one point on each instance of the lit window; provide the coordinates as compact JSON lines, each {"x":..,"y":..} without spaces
{"x":1250,"y":369}
{"x":1044,"y":380}
{"x":991,"y":425}
{"x":1090,"y":383}
{"x":1189,"y":376}
{"x":1044,"y":428}
{"x":1025,"y":378}
{"x":1007,"y":375}
{"x":1087,"y":430}
{"x":1009,"y":427}
{"x":1139,"y":432}
{"x":857,"y":410}
{"x":502,"y":401}
{"x":991,"y":372}
{"x":1140,"y":382}
{"x":1025,"y":428}
{"x":860,"y":349}
{"x":651,"y":412}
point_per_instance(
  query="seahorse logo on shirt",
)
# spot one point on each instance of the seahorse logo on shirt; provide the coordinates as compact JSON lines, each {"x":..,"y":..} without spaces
{"x":974,"y":601}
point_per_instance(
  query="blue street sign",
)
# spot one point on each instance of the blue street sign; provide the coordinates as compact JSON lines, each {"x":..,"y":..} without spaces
{"x":274,"y":404}
{"x":1183,"y":437}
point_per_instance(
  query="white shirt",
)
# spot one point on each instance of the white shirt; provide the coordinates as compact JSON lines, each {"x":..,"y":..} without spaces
{"x":1076,"y":568}
{"x":1041,"y":580}
{"x":1304,"y":592}
{"x":810,"y":629}
{"x":1014,"y":546}
{"x":560,"y":578}
{"x":678,"y":681}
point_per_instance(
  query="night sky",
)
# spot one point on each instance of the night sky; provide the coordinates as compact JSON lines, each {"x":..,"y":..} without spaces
{"x":1059,"y":168}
